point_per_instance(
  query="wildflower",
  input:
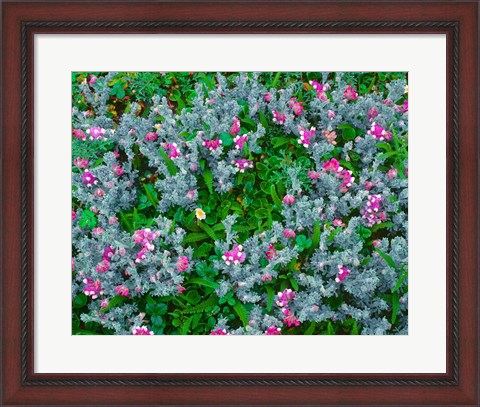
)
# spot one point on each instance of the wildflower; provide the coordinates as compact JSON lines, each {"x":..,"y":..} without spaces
{"x":235,"y":256}
{"x":212,"y":144}
{"x":96,"y":132}
{"x":88,"y":178}
{"x":347,"y":180}
{"x":103,"y":266}
{"x":99,"y":192}
{"x":98,"y":231}
{"x":271,"y":252}
{"x":369,"y":185}
{"x":267,"y":97}
{"x":141,"y":331}
{"x":343,"y":273}
{"x":278,"y":118}
{"x":122,"y":290}
{"x":180,"y":289}
{"x":74,"y":215}
{"x":112,"y":220}
{"x":117,"y":169}
{"x":80,"y":163}
{"x":379,"y":132}
{"x":235,"y":127}
{"x":332,"y":165}
{"x":200,"y":214}
{"x":349,"y":93}
{"x":290,"y":319}
{"x":288,"y":199}
{"x":338,"y":222}
{"x":314,"y":175}
{"x":284,"y":297}
{"x":240,"y":141}
{"x":209,"y":101}
{"x":104,"y":303}
{"x":305,"y":136}
{"x":182,"y":263}
{"x":330,"y":136}
{"x":372,"y":112}
{"x":392,"y":173}
{"x":266,"y":277}
{"x":376,"y":242}
{"x":320,"y":89}
{"x":273,"y":330}
{"x":371,"y":212}
{"x":191,"y":194}
{"x":406,"y":89}
{"x":172,"y":150}
{"x":77,"y":133}
{"x":242,"y":164}
{"x":108,"y":253}
{"x":331,"y":114}
{"x":151,"y":136}
{"x":218,"y":332}
{"x":289,"y":234}
{"x":297,"y":107}
{"x":92,"y":288}
{"x":92,"y":79}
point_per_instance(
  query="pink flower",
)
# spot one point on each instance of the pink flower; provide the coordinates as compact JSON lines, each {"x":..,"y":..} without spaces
{"x":372,"y":113}
{"x":284,"y":297}
{"x":122,"y":290}
{"x":266,"y":277}
{"x":330,"y":136}
{"x":104,"y":303}
{"x":388,"y":102}
{"x":314,"y":175}
{"x":379,"y":132}
{"x":305,"y":136}
{"x":92,"y":288}
{"x":297,"y":107}
{"x":291,"y":320}
{"x":74,"y":215}
{"x":271,"y":252}
{"x":77,"y":133}
{"x":180,"y":289}
{"x":141,"y":331}
{"x":151,"y":136}
{"x":99,"y":192}
{"x":80,"y":163}
{"x":103,"y":266}
{"x":338,"y":222}
{"x":96,"y":132}
{"x":108,"y":253}
{"x":88,"y":178}
{"x":117,"y":169}
{"x":218,"y":332}
{"x":98,"y":231}
{"x":320,"y":89}
{"x":278,"y":118}
{"x":332,"y":165}
{"x":112,"y":220}
{"x":343,"y":273}
{"x":240,"y":141}
{"x":377,"y":242}
{"x":182,"y":263}
{"x":191,"y":194}
{"x":369,"y":185}
{"x":242,"y":164}
{"x":273,"y":330}
{"x":371,"y":212}
{"x":92,"y":79}
{"x":288,"y":199}
{"x":235,"y":127}
{"x":331,"y":114}
{"x":392,"y":173}
{"x":235,"y":256}
{"x":347,"y":180}
{"x":172,"y":150}
{"x":289,"y":234}
{"x":267,"y":97}
{"x":349,"y":93}
{"x":212,"y":144}
{"x":209,"y":101}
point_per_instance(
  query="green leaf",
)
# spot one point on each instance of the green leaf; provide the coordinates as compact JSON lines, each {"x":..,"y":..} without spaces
{"x":316,"y":234}
{"x":208,"y":177}
{"x":226,"y":138}
{"x":275,"y":197}
{"x":195,"y":237}
{"x":263,"y":120}
{"x":203,"y":250}
{"x":270,"y":297}
{"x":117,"y":300}
{"x":203,"y":282}
{"x":201,"y":307}
{"x":279,"y":141}
{"x":348,"y":134}
{"x":402,"y":276}
{"x":333,"y":234}
{"x":330,"y":330}
{"x":395,"y":306}
{"x":186,"y":326}
{"x":387,"y":258}
{"x":193,"y":297}
{"x":157,"y":320}
{"x":151,"y":194}
{"x":88,"y":219}
{"x":354,"y":330}
{"x":310,"y":329}
{"x":80,"y":301}
{"x":208,"y":230}
{"x":294,"y":283}
{"x":241,"y":312}
{"x":384,"y":146}
{"x":382,"y":225}
{"x":171,"y":167}
{"x":261,"y":213}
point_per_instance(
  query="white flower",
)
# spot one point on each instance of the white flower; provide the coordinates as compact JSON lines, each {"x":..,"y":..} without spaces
{"x":200,"y":214}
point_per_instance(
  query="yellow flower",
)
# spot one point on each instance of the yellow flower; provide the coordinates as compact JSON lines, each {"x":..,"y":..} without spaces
{"x":406,"y":89}
{"x":200,"y":214}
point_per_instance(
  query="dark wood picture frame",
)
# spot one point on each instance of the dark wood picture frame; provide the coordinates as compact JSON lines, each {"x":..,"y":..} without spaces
{"x":22,"y":20}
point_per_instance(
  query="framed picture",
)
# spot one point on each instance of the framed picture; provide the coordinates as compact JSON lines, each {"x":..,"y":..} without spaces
{"x":281,"y":197}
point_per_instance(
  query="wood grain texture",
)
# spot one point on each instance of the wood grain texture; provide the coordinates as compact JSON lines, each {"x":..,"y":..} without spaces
{"x":21,"y":386}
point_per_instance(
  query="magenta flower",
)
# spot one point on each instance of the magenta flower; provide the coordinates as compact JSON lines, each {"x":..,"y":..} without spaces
{"x":240,"y":141}
{"x":371,"y":212}
{"x":289,"y":234}
{"x":218,"y":332}
{"x":92,"y":79}
{"x":108,"y":253}
{"x":278,"y":118}
{"x":379,"y":132}
{"x":392,"y":173}
{"x":320,"y":89}
{"x":235,"y":256}
{"x":314,"y":175}
{"x":172,"y":150}
{"x":235,"y":129}
{"x":98,"y":231}
{"x":92,"y":288}
{"x":96,"y":132}
{"x":122,"y":290}
{"x":180,"y":289}
{"x":77,"y":133}
{"x":80,"y":163}
{"x":141,"y":331}
{"x":288,"y":199}
{"x":151,"y":136}
{"x":74,"y":215}
{"x":209,"y":101}
{"x":242,"y":164}
{"x":212,"y":144}
{"x":117,"y":169}
{"x":284,"y":297}
{"x":271,"y":252}
{"x":103,"y":266}
{"x":305,"y":136}
{"x":332,"y":165}
{"x":266,"y":277}
{"x":347,"y":180}
{"x":297,"y":107}
{"x":372,"y":113}
{"x":338,"y":222}
{"x":88,"y":178}
{"x":273,"y":330}
{"x":182,"y":263}
{"x":343,"y":273}
{"x":331,"y":114}
{"x":104,"y":303}
{"x":267,"y":97}
{"x":349,"y":93}
{"x":191,"y":194}
{"x":369,"y":185}
{"x":291,"y":320}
